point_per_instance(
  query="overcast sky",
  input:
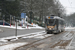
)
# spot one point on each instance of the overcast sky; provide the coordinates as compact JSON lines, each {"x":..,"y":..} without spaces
{"x":69,"y":5}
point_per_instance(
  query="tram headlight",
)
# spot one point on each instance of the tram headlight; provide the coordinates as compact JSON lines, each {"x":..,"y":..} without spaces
{"x":50,"y":28}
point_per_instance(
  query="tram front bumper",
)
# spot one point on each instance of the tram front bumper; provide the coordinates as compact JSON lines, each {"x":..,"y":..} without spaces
{"x":53,"y":31}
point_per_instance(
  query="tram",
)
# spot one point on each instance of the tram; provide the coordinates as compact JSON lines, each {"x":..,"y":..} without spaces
{"x":54,"y":24}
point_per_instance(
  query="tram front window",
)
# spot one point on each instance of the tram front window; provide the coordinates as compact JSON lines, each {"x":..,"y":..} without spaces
{"x":51,"y":22}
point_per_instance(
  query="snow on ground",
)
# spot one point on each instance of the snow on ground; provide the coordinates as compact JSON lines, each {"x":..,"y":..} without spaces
{"x":69,"y":27}
{"x":35,"y":26}
{"x":12,"y":27}
{"x":15,"y":45}
{"x":12,"y":46}
{"x":16,"y":37}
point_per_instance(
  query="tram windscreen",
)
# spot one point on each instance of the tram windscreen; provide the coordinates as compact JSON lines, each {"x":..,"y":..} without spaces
{"x":51,"y":22}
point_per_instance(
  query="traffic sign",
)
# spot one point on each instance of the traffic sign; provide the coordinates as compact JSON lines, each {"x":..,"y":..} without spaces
{"x":23,"y":15}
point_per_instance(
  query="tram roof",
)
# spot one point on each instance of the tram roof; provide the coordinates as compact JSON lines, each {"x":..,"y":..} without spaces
{"x":54,"y":17}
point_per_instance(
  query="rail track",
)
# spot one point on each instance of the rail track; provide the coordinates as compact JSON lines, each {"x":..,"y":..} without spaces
{"x":36,"y":43}
{"x":61,"y":43}
{"x":45,"y":41}
{"x":38,"y":35}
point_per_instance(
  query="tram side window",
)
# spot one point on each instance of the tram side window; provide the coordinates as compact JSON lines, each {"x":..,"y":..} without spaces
{"x":60,"y":22}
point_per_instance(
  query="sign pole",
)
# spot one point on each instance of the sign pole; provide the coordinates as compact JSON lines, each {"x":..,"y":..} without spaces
{"x":16,"y":29}
{"x":3,"y":19}
{"x":10,"y":20}
{"x":3,"y":22}
{"x":14,"y":20}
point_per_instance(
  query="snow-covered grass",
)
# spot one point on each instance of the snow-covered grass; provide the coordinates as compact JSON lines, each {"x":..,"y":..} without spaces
{"x":12,"y":46}
{"x":35,"y":26}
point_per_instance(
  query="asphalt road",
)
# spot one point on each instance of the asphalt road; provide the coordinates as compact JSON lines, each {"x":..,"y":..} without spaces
{"x":11,"y":32}
{"x":64,"y":40}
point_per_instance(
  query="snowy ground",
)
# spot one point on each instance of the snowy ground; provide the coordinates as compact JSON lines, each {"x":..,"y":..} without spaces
{"x":14,"y":45}
{"x":69,"y":27}
{"x":5,"y":39}
{"x":35,"y":26}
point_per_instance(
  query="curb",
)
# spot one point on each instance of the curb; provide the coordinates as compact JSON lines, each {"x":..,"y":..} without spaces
{"x":12,"y":38}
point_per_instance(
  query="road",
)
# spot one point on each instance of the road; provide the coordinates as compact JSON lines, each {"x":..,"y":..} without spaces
{"x":43,"y":41}
{"x":64,"y":40}
{"x":7,"y":32}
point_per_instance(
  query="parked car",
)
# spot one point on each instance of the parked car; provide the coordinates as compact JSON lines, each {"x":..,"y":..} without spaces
{"x":5,"y":23}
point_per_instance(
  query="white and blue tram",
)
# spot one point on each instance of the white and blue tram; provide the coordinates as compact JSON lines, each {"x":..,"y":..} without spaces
{"x":54,"y":24}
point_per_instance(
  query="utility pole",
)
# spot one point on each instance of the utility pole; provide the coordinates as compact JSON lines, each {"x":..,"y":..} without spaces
{"x":31,"y":5}
{"x":42,"y":11}
{"x":16,"y":29}
{"x":31,"y":13}
{"x":14,"y":20}
{"x":58,"y":12}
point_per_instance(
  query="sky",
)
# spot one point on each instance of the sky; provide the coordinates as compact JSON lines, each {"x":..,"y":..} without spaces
{"x":69,"y":6}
